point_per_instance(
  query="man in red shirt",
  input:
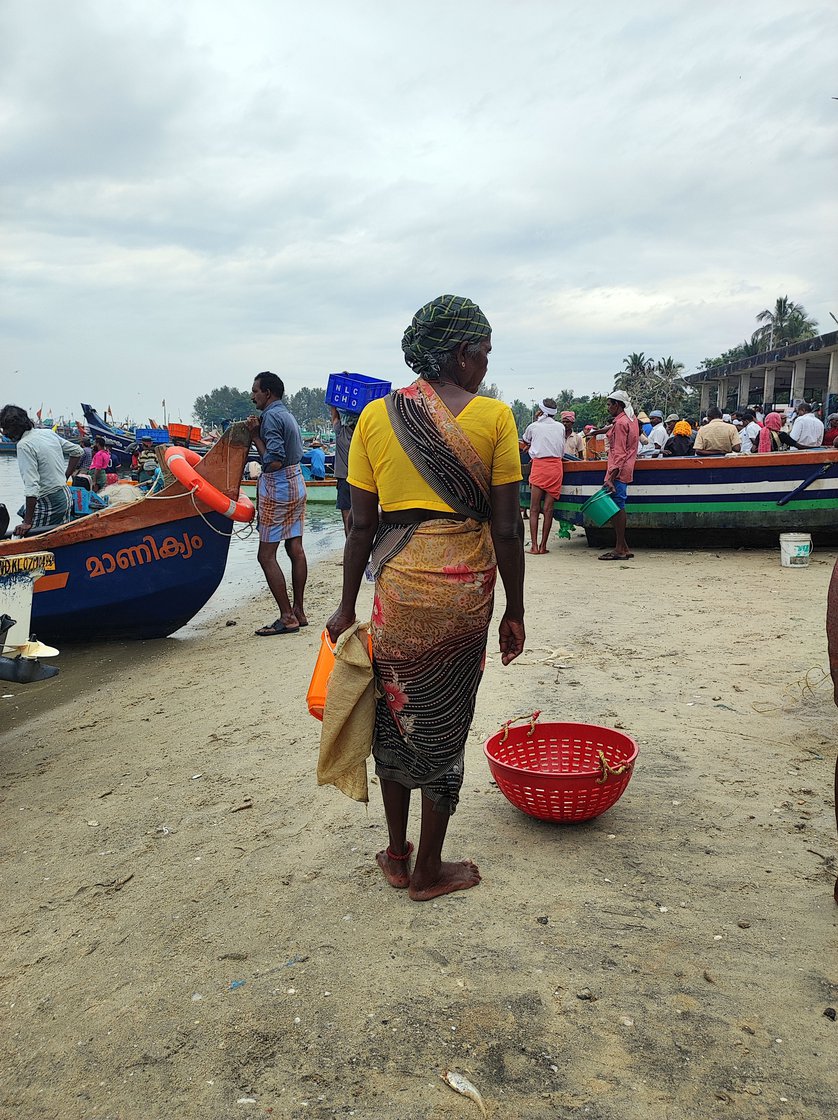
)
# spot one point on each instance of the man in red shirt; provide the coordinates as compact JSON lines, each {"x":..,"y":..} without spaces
{"x":623,"y":437}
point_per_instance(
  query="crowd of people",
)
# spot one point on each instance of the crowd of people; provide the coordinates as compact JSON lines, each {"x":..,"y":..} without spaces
{"x":547,"y":443}
{"x":748,"y":431}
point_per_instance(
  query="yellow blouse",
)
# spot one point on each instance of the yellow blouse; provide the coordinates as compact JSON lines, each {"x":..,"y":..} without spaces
{"x":378,"y":463}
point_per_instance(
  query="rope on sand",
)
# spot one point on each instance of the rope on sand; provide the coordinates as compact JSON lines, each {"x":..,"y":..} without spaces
{"x":799,"y":692}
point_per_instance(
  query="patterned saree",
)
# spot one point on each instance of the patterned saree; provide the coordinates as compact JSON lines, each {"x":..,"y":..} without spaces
{"x":433,"y":603}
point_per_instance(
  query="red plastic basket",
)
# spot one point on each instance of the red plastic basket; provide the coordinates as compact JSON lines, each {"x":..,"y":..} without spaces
{"x":560,"y":771}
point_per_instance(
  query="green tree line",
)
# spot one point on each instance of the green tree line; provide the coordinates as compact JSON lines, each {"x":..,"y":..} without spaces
{"x":589,"y":410}
{"x":226,"y":404}
{"x":309,"y":406}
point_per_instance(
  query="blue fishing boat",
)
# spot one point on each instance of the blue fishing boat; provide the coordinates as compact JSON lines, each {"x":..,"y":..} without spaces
{"x":119,"y":442}
{"x":140,"y":570}
{"x":715,"y":501}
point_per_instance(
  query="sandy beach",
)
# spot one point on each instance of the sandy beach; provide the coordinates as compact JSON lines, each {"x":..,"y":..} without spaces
{"x":193,"y":929}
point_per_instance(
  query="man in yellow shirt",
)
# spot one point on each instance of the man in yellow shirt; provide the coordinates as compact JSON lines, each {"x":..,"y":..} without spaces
{"x":716,"y":437}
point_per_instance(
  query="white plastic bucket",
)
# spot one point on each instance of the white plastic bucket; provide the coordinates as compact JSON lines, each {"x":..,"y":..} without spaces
{"x":795,"y":549}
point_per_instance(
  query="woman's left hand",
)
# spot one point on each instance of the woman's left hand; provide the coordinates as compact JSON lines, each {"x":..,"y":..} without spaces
{"x":339,"y":622}
{"x":512,"y":638}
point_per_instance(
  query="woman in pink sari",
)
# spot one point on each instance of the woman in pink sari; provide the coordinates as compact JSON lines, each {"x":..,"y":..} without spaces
{"x":769,"y":440}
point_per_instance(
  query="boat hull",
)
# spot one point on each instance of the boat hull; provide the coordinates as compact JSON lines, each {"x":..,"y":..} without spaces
{"x":143,"y":583}
{"x":119,"y":443}
{"x":715,"y":500}
{"x":140,"y":570}
{"x":319,"y":493}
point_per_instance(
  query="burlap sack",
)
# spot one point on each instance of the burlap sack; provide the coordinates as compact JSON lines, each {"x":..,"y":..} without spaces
{"x":349,"y":716}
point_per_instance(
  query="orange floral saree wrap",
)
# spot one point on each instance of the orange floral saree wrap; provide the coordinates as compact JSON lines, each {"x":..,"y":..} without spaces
{"x":433,"y":604}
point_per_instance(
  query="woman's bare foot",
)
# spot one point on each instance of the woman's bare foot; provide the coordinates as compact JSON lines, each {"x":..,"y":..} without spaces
{"x":533,"y":551}
{"x":452,"y":877}
{"x":543,"y":550}
{"x":396,"y":871}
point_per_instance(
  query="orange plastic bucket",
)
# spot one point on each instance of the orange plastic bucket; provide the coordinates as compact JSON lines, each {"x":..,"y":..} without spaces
{"x":316,"y":695}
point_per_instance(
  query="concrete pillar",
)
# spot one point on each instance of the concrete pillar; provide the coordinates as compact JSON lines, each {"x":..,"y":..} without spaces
{"x":722,"y":401}
{"x":830,"y":402}
{"x":744,"y":388}
{"x":768,"y":385}
{"x":798,"y":379}
{"x":704,"y":399}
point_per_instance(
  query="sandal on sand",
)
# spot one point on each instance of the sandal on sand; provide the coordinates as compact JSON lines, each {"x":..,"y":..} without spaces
{"x":275,"y":628}
{"x":615,"y":556}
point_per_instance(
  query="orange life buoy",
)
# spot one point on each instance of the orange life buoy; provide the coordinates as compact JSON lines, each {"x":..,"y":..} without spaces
{"x":181,"y":461}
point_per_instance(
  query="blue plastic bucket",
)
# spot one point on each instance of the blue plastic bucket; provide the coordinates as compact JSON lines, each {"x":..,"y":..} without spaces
{"x":600,"y":507}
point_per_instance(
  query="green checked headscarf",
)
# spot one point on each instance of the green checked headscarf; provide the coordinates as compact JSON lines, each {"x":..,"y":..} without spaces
{"x":437,"y":328}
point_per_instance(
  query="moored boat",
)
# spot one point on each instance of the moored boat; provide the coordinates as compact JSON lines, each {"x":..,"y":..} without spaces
{"x":118,"y":441}
{"x":715,"y":501}
{"x":140,"y":570}
{"x":20,"y":658}
{"x":317,"y":491}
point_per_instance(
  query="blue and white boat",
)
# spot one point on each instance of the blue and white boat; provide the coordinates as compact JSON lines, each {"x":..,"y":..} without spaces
{"x":713,"y":501}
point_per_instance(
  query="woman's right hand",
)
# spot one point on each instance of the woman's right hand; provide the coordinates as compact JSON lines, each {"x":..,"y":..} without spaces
{"x":340,"y":621}
{"x":512,"y":638}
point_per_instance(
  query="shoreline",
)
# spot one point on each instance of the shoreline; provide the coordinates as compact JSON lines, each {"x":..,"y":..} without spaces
{"x":191,"y":922}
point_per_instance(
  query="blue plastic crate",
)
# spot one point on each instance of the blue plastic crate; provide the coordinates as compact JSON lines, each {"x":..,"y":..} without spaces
{"x":354,"y":391}
{"x":159,"y":435}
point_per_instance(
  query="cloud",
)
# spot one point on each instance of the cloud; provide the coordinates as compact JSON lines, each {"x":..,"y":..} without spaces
{"x":198,"y":192}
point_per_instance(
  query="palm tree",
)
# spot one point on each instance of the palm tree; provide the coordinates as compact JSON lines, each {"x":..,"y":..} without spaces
{"x":668,"y":385}
{"x":565,"y":399}
{"x":633,"y":378}
{"x":787,"y":322}
{"x":653,"y":384}
{"x":668,"y":368}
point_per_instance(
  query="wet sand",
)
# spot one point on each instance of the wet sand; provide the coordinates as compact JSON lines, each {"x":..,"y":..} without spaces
{"x":193,"y":928}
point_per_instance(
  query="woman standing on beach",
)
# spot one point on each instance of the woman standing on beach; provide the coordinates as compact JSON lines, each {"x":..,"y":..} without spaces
{"x":444,"y":465}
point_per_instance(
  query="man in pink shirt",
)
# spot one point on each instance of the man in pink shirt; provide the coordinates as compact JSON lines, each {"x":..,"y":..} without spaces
{"x":623,"y":436}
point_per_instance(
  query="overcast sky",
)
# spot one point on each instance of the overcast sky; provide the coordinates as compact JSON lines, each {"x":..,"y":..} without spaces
{"x":194,"y":192}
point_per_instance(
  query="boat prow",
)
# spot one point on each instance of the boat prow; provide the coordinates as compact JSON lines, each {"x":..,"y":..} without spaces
{"x":140,"y":570}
